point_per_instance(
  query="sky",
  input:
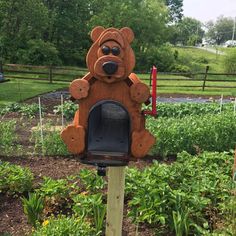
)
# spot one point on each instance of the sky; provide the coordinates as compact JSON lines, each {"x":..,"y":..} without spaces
{"x":205,"y":10}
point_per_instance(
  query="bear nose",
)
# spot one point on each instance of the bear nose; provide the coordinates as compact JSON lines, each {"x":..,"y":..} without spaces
{"x":110,"y":67}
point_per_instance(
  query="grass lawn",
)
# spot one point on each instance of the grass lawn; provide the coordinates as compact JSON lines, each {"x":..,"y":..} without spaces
{"x":18,"y":90}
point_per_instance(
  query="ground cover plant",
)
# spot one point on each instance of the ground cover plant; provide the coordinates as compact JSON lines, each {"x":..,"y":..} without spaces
{"x":187,"y":197}
{"x":14,"y":179}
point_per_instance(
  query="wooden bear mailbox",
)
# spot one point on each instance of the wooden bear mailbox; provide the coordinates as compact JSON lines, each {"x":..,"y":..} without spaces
{"x":109,"y":126}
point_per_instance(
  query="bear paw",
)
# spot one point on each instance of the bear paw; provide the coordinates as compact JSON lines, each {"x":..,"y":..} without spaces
{"x":74,"y":138}
{"x":79,"y":88}
{"x":142,"y":141}
{"x":139,"y":92}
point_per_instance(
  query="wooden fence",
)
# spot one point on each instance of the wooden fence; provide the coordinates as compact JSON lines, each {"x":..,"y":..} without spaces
{"x":67,"y":74}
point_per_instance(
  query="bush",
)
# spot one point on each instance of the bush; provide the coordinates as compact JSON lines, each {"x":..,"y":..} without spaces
{"x":184,"y":193}
{"x":38,"y":52}
{"x":230,"y":62}
{"x":162,"y":57}
{"x":52,"y":142}
{"x":193,"y":133}
{"x":14,"y":179}
{"x":69,"y":109}
{"x":64,"y":226}
{"x":8,"y":137}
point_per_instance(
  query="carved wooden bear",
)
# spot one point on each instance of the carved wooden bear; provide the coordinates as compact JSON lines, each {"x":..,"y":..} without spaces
{"x":110,"y":62}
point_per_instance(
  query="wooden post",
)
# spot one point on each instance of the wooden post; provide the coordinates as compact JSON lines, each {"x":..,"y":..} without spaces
{"x":1,"y":67}
{"x":115,"y":201}
{"x":50,"y":74}
{"x":204,"y":79}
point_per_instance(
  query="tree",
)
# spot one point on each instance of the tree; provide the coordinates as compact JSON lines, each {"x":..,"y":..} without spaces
{"x":188,"y":31}
{"x":175,"y":9}
{"x":221,"y":30}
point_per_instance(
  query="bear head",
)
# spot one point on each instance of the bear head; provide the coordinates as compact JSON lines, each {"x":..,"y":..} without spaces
{"x":110,"y":58}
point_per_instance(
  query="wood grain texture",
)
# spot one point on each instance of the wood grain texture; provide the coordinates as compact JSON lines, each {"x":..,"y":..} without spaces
{"x":115,"y":201}
{"x":74,"y":138}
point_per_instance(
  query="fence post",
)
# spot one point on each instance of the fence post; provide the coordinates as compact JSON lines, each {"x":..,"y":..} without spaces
{"x":50,"y":74}
{"x":1,"y":67}
{"x":204,"y":79}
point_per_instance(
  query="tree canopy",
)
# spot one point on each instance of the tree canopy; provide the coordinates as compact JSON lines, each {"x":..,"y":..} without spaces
{"x":57,"y":31}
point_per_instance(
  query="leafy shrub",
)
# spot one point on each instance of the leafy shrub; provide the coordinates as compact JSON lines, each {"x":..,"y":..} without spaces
{"x":180,"y":68}
{"x":178,"y":110}
{"x":91,"y":181}
{"x":14,"y":179}
{"x":28,"y":110}
{"x":180,"y":196}
{"x":90,"y":207}
{"x":52,"y":143}
{"x":193,"y":133}
{"x":39,"y":52}
{"x":230,"y":62}
{"x":8,"y":136}
{"x":65,"y":226}
{"x":162,"y":57}
{"x":33,"y":208}
{"x":69,"y":109}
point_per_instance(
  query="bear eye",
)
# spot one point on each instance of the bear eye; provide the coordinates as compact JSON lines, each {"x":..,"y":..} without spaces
{"x":115,"y":51}
{"x":106,"y":50}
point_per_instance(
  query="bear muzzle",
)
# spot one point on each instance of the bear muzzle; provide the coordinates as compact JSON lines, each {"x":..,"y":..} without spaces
{"x":110,"y":67}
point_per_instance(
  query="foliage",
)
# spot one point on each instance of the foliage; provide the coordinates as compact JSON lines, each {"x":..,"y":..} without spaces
{"x":39,"y":52}
{"x":69,"y":108}
{"x":54,"y":188}
{"x":221,"y":30}
{"x":162,"y":57}
{"x":91,"y":181}
{"x":188,"y":31}
{"x":65,"y":226}
{"x":33,"y":208}
{"x":230,"y":62}
{"x":52,"y":143}
{"x":91,"y":207}
{"x":14,"y":179}
{"x":178,"y":110}
{"x":193,"y":133}
{"x":175,"y":9}
{"x":28,"y":110}
{"x":8,"y":136}
{"x":180,"y":196}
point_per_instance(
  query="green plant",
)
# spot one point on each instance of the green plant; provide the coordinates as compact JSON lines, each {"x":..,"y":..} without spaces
{"x":179,"y":197}
{"x":90,"y":207}
{"x":91,"y":181}
{"x":69,"y":108}
{"x":8,"y":136}
{"x":52,"y":143}
{"x":33,"y":208}
{"x":210,"y":132}
{"x":65,"y":226}
{"x":14,"y":179}
{"x":28,"y":110}
{"x":54,"y":188}
{"x":230,"y":62}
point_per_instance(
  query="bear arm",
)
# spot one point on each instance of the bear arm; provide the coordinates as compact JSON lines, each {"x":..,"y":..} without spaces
{"x":79,"y":88}
{"x":139,"y":92}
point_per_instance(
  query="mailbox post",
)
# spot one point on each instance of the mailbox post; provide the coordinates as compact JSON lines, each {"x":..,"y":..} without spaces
{"x":109,"y":127}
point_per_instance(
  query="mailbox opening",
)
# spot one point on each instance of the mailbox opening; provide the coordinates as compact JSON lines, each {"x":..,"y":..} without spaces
{"x":108,"y":138}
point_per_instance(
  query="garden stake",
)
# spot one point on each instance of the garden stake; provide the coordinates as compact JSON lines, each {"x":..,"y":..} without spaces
{"x":41,"y":122}
{"x":62,"y":111}
{"x":115,"y":201}
{"x":235,"y":106}
{"x":221,"y":102}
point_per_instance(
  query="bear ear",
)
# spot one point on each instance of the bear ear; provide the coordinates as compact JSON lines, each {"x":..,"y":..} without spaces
{"x":128,"y":33}
{"x":96,"y":32}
